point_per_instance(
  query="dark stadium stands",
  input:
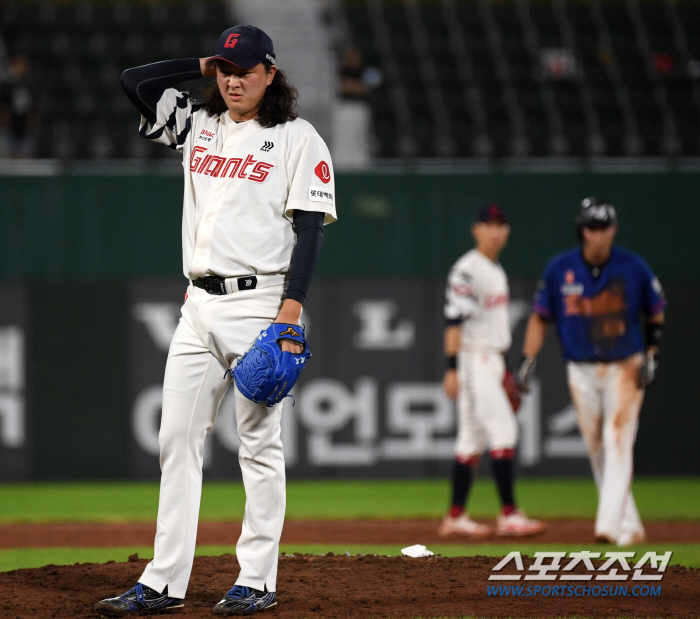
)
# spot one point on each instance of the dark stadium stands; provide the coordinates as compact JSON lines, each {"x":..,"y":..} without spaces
{"x":627,"y":82}
{"x":78,"y":50}
{"x":463,"y":79}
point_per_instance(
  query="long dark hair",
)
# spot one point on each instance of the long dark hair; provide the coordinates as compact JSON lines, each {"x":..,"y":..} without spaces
{"x":277,"y":106}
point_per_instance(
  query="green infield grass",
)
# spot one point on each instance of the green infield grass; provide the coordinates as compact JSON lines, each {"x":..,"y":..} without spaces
{"x":676,"y":498}
{"x":657,"y":498}
{"x":11,"y":559}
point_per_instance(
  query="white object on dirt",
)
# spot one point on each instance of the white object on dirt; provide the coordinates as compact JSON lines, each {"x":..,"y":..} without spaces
{"x":416,"y":551}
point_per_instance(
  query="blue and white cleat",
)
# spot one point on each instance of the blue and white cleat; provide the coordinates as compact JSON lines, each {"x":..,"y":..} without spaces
{"x":245,"y":601}
{"x":140,"y":600}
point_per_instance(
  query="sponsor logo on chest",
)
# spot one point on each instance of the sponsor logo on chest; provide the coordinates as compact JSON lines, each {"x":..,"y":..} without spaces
{"x":206,"y":136}
{"x":570,"y":286}
{"x":232,"y":167}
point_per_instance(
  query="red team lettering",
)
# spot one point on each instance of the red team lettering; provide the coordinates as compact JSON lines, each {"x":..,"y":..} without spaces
{"x":248,"y":161}
{"x":494,"y":300}
{"x":235,"y":162}
{"x":215,"y":166}
{"x":231,"y":41}
{"x":463,"y":290}
{"x":213,"y":170}
{"x":260,"y":171}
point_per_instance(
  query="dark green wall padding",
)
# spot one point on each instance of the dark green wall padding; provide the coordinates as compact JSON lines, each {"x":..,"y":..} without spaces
{"x":120,"y":227}
{"x":82,"y":238}
{"x":77,"y":365}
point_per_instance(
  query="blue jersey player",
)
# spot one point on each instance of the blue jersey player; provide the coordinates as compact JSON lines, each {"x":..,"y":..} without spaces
{"x":596,"y":294}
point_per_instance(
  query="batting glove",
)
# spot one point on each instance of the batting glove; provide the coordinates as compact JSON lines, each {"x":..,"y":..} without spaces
{"x":648,"y":371}
{"x":524,"y":373}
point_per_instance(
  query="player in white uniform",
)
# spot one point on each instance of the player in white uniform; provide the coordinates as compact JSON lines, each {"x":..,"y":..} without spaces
{"x":258,"y":189}
{"x":476,"y":337}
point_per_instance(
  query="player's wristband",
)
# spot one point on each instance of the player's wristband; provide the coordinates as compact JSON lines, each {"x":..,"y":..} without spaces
{"x":451,"y":362}
{"x":654,"y":335}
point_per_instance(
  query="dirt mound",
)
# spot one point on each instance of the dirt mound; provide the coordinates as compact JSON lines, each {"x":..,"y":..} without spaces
{"x":338,"y":586}
{"x":313,"y":532}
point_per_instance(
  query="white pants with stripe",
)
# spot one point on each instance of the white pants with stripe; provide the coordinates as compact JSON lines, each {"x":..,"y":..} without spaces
{"x":212,"y":332}
{"x":607,"y":402}
{"x":485,"y":418}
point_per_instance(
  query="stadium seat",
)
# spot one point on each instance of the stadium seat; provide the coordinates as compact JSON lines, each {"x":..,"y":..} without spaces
{"x":90,"y":44}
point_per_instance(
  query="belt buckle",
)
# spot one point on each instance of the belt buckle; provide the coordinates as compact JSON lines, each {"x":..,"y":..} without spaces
{"x":215,"y":285}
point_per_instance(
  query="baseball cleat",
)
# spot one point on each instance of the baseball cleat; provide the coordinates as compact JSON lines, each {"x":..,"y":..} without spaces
{"x":625,"y":539}
{"x":628,"y":539}
{"x":517,"y":524}
{"x":140,"y":600}
{"x":245,"y":601}
{"x":604,"y":538}
{"x":464,"y":526}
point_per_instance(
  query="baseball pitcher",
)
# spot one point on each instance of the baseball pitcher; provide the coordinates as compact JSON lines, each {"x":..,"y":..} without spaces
{"x":258,"y":189}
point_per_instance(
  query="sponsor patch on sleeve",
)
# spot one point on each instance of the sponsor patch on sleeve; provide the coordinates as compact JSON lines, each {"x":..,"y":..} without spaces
{"x":320,"y":194}
{"x":323,"y":171}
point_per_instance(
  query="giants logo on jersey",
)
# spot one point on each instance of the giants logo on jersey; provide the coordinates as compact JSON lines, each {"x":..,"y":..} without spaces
{"x":463,"y":290}
{"x":233,"y":167}
{"x":494,"y":300}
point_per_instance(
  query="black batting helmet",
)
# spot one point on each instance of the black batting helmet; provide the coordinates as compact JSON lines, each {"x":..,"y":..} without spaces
{"x":594,"y":213}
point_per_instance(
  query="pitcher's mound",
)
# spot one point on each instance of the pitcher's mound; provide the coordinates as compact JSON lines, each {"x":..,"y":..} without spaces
{"x":340,"y":586}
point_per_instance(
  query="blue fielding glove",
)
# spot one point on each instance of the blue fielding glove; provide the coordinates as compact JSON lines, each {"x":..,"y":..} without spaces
{"x":265,"y":373}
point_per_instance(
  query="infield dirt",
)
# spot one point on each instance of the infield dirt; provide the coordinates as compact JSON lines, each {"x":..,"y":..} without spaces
{"x":314,"y":532}
{"x":340,"y":586}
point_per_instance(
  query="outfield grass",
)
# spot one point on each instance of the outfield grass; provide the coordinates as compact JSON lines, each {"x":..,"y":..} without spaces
{"x":657,"y":499}
{"x":683,"y":554}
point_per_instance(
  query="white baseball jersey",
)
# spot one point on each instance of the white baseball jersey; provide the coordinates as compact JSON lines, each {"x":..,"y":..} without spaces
{"x":477,"y":293}
{"x":242,"y":183}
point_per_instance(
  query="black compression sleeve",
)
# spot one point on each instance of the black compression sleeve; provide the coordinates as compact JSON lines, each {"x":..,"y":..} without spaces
{"x":654,"y":331}
{"x":145,"y":85}
{"x":309,"y":228}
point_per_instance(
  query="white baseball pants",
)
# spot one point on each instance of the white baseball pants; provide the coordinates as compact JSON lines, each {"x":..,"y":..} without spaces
{"x":212,"y":332}
{"x":485,"y":418}
{"x":607,"y":402}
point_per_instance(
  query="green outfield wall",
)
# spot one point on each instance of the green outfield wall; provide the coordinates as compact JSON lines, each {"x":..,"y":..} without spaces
{"x":90,"y":267}
{"x":391,"y":224}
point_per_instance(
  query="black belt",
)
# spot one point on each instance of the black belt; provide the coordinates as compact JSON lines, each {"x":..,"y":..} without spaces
{"x":217,"y":285}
